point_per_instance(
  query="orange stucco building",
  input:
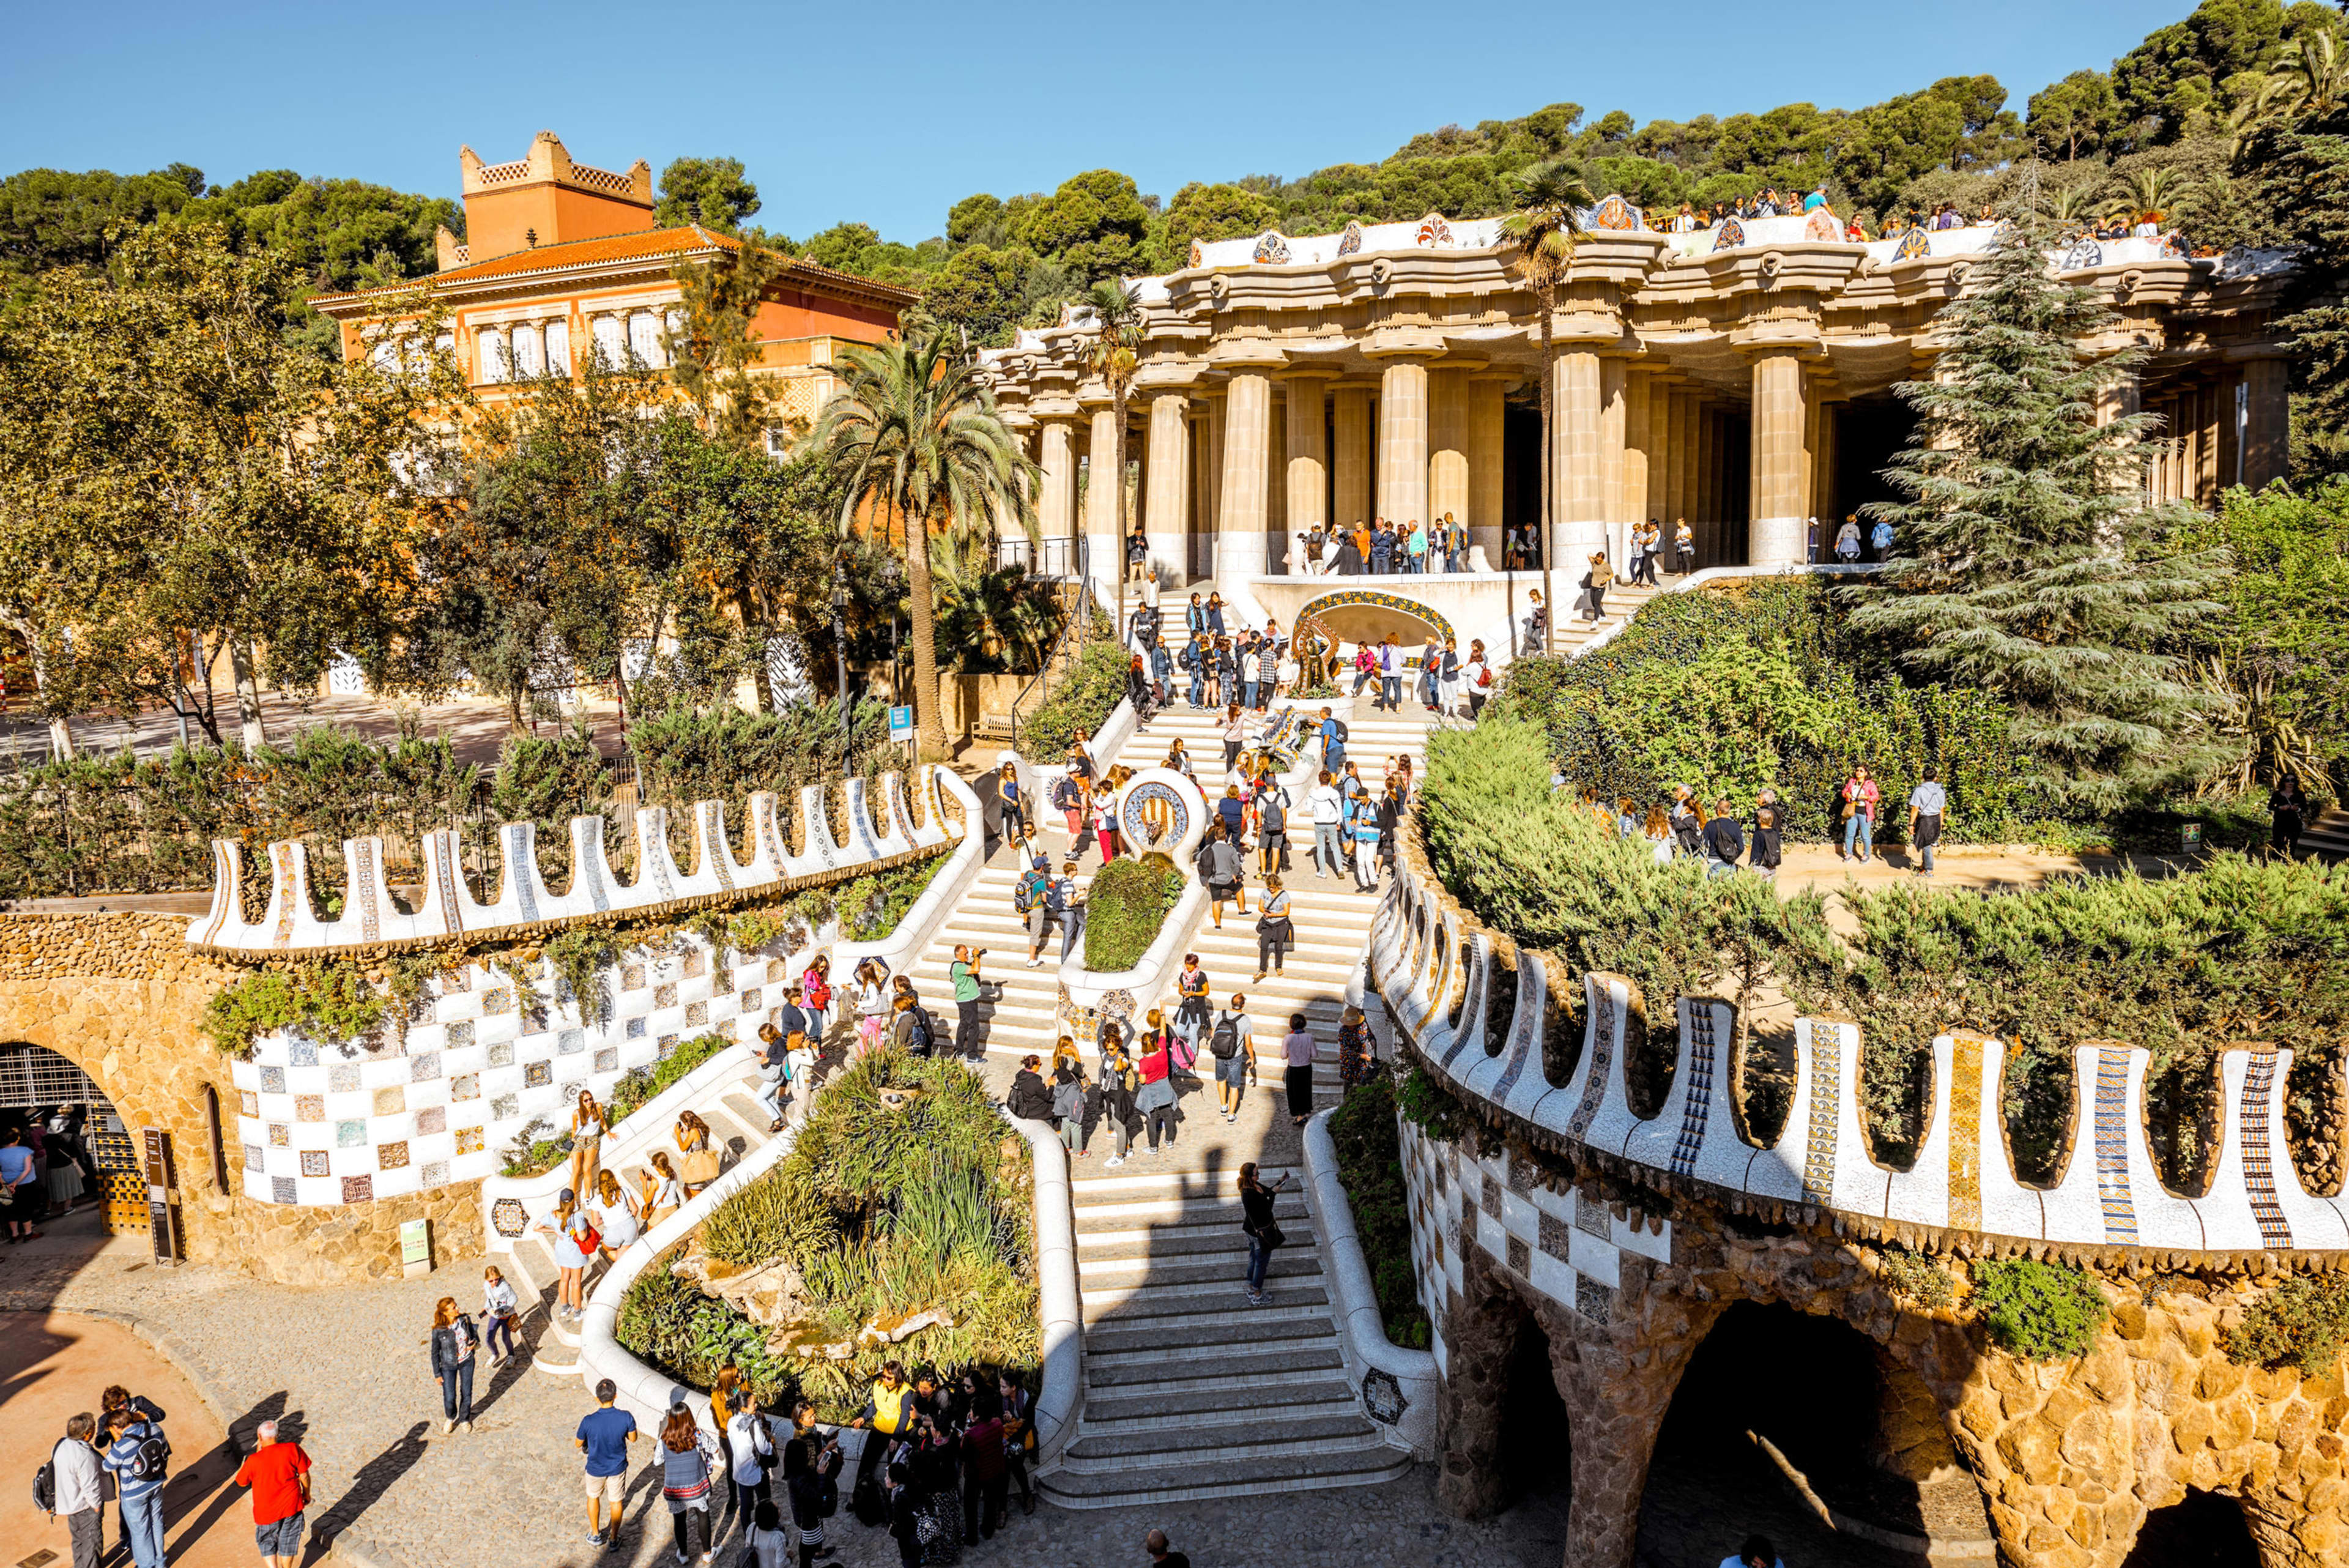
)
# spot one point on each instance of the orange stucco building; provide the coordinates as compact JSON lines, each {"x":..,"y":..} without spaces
{"x":562,"y":261}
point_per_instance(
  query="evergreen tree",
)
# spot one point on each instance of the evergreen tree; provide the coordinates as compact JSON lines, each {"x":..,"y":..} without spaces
{"x":2028,"y":563}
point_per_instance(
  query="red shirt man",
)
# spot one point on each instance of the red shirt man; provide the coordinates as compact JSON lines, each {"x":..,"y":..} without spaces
{"x":279,"y":1475}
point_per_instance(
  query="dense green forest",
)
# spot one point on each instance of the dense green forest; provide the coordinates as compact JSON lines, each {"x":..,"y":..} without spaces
{"x":2166,"y":120}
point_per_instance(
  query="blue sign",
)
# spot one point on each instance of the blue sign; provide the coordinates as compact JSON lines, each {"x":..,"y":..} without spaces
{"x":901,"y":723}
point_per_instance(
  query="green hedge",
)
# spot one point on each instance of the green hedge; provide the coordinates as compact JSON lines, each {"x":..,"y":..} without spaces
{"x":1370,"y":1165}
{"x":2043,"y":1312}
{"x":2185,"y":965}
{"x":1755,"y":683}
{"x":1126,"y":906}
{"x":1093,"y":686}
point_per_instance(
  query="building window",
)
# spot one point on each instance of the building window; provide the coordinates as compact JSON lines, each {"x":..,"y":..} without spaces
{"x":611,"y":342}
{"x":529,"y":362}
{"x":496,"y":366}
{"x":558,"y":347}
{"x":645,"y":339}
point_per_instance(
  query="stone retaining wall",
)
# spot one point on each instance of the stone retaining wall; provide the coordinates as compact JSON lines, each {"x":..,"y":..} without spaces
{"x":120,"y":996}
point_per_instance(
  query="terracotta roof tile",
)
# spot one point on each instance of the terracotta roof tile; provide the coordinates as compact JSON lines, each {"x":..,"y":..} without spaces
{"x":644,"y":245}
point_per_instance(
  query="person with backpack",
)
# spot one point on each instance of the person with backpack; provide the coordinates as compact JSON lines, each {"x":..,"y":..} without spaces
{"x":1389,"y":675}
{"x":1476,"y":675}
{"x":454,"y":1341}
{"x":1362,"y":826}
{"x":1068,"y":796}
{"x":1275,"y":932}
{"x":1231,"y":1041}
{"x":1257,"y":1225}
{"x":1329,"y":815}
{"x":279,"y":1474}
{"x":1271,"y":827}
{"x":1333,"y":742}
{"x":1220,"y":869}
{"x":1069,"y":1105}
{"x":139,"y":1456}
{"x":1030,"y":1100}
{"x":1767,"y":851}
{"x":1724,"y":841}
{"x":1028,"y":900}
{"x":1161,"y":670}
{"x":910,"y":1028}
{"x":72,"y":1483}
{"x":774,"y":1071}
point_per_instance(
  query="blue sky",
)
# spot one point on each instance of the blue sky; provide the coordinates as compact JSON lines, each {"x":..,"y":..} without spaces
{"x":889,"y":113}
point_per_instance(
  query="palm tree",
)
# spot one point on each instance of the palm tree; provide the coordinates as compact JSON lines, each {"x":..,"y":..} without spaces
{"x":1113,"y":355}
{"x":2311,"y":79}
{"x":2153,"y":191}
{"x":913,"y":431}
{"x":1552,"y":198}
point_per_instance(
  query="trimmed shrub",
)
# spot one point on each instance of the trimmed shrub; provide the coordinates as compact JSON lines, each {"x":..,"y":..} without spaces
{"x":2300,"y":1324}
{"x":2043,"y":1312}
{"x":1126,"y":906}
{"x":1093,"y":686}
{"x":1428,"y":1106}
{"x":328,"y":1000}
{"x":1916,"y":1277}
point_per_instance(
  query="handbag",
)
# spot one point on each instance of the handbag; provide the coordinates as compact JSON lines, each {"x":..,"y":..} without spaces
{"x":1273,"y":1236}
{"x":1848,"y":807}
{"x":698,"y":1168}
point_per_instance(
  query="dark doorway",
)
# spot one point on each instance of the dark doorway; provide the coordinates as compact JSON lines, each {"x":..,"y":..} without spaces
{"x":1775,"y":1403}
{"x":2205,"y":1530}
{"x":1537,"y":1458}
{"x":1867,"y":432}
{"x":1521,"y":468}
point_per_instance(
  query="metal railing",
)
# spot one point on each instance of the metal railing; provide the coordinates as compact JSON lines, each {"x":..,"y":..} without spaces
{"x":1059,"y":557}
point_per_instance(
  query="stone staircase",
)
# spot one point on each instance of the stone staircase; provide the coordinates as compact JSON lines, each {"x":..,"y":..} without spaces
{"x":1190,"y":1392}
{"x":2327,"y":838}
{"x":737,"y":1124}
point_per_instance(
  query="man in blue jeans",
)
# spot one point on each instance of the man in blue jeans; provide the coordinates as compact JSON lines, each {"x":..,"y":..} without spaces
{"x":137,"y":1453}
{"x":1391,"y":674}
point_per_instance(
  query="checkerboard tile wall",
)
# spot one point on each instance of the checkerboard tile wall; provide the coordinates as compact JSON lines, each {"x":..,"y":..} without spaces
{"x":324,"y":1124}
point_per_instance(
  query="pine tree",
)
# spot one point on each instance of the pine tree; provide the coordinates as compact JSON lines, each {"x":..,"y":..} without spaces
{"x":2028,"y":563}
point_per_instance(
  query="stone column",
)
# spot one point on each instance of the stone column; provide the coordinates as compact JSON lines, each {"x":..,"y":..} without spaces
{"x":1613,"y":427}
{"x":1349,"y":469}
{"x":1487,"y":444}
{"x":1448,"y":463}
{"x":1056,"y":504}
{"x":1707,"y":507}
{"x":1243,"y":514}
{"x":1166,"y":501}
{"x":1211,"y":520}
{"x":2206,"y":426}
{"x":1578,"y":502}
{"x":1402,"y":443}
{"x":1105,"y":549}
{"x":1199,"y":540}
{"x":1826,"y":501}
{"x":1308,"y":476}
{"x":2267,"y":428}
{"x":1668,"y":410}
{"x":1775,"y":536}
{"x":1639,"y":445}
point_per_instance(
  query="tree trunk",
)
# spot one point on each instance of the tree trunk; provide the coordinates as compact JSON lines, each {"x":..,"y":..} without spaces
{"x":930,"y":728}
{"x":1548,"y":369}
{"x":1117,"y":451}
{"x":248,"y":697}
{"x":61,"y":740}
{"x":761,"y":680}
{"x":208,"y":710}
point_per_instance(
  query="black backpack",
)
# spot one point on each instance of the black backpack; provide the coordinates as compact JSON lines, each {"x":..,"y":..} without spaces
{"x":1226,"y":1041}
{"x":154,"y":1456}
{"x":1275,"y":819}
{"x":1340,"y":724}
{"x":44,"y":1485}
{"x":919,"y":1037}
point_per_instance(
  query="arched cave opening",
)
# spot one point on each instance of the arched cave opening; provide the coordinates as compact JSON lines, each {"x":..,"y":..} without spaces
{"x":83,"y":1137}
{"x":1780,"y":1415}
{"x":1536,"y":1459}
{"x":2204,"y":1530}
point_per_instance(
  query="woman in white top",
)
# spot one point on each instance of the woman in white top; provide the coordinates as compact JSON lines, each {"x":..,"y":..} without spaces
{"x":872,"y":1004}
{"x":613,"y":1212}
{"x":1847,"y":545}
{"x":1659,"y":834}
{"x":587,"y":1129}
{"x":1477,"y":677}
{"x":799,"y":1080}
{"x":661,"y":1193}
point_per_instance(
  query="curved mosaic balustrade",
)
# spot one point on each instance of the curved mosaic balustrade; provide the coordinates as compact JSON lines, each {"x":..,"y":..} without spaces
{"x":1437,"y":975}
{"x":371,"y":920}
